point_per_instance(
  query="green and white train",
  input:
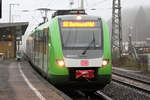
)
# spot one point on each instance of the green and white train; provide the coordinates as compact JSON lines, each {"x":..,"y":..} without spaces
{"x":72,"y":49}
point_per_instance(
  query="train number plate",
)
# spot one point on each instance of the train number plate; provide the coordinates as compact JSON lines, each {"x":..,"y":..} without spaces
{"x":84,"y":63}
{"x":88,"y":74}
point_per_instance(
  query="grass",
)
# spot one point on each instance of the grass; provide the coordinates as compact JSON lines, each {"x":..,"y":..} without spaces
{"x":129,"y":63}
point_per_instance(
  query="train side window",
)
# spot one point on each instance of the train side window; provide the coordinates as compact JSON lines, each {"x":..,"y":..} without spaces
{"x":35,"y":46}
{"x":46,"y":39}
{"x":49,"y":36}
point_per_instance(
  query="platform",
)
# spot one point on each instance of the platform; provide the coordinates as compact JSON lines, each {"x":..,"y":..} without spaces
{"x":18,"y":81}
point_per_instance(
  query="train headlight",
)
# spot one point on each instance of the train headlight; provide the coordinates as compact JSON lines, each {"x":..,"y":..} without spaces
{"x":105,"y":62}
{"x":60,"y":62}
{"x":78,"y":17}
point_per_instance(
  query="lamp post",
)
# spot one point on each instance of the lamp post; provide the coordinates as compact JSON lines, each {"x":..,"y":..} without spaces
{"x":82,"y":4}
{"x":10,"y":6}
{"x":44,"y":13}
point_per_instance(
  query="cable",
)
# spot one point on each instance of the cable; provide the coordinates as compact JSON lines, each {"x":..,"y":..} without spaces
{"x":99,"y":2}
{"x":102,"y":2}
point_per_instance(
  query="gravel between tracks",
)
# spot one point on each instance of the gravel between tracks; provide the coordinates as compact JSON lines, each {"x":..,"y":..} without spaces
{"x":120,"y":92}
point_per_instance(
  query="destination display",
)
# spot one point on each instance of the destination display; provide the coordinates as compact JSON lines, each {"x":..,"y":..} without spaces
{"x":78,"y":24}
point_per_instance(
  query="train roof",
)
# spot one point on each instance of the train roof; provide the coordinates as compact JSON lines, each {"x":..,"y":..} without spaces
{"x":72,"y":17}
{"x":65,"y":17}
{"x":41,"y":27}
{"x":69,"y":12}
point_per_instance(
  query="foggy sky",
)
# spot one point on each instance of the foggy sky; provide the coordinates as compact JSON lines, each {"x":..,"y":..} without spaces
{"x":103,"y":9}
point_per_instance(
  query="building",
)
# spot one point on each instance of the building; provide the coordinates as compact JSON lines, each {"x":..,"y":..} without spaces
{"x":11,"y":38}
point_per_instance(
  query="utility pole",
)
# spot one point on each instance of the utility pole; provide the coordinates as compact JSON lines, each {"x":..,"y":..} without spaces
{"x":82,"y":4}
{"x":116,"y":28}
{"x":10,"y":5}
{"x":44,"y":11}
{"x":0,"y":8}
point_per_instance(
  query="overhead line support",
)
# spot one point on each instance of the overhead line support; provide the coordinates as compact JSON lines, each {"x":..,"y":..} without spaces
{"x":116,"y":28}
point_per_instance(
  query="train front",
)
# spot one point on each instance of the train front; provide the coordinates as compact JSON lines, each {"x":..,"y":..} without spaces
{"x":86,"y":57}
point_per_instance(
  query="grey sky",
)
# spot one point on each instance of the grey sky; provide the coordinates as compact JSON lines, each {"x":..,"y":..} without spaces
{"x":103,"y":9}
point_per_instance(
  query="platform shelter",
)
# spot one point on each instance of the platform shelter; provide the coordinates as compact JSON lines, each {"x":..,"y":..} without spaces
{"x":10,"y":38}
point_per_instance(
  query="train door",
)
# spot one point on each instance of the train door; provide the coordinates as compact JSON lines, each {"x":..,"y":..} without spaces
{"x":43,"y":45}
{"x":32,"y":51}
{"x":37,"y":48}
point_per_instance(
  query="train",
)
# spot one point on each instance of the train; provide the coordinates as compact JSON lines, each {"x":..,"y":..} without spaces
{"x":72,"y":50}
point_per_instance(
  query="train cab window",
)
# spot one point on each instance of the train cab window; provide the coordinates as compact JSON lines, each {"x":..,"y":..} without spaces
{"x":81,"y":34}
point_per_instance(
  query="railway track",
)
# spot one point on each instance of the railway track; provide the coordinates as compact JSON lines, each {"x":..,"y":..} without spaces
{"x":84,"y":95}
{"x":143,"y":79}
{"x":132,"y":82}
{"x":104,"y":96}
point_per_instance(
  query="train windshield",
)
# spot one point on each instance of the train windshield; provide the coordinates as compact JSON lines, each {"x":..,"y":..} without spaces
{"x":81,"y":34}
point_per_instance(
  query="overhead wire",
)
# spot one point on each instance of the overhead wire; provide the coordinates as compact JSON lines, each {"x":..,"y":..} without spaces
{"x":96,"y":5}
{"x":99,"y":2}
{"x":103,"y":2}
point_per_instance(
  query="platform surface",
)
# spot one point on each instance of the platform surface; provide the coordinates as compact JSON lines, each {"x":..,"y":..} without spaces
{"x":18,"y":81}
